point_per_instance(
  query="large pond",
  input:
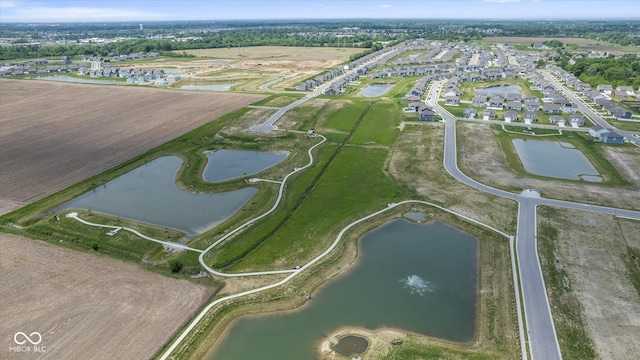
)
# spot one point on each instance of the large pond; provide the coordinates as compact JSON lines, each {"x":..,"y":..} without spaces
{"x":230,"y":164}
{"x":500,"y":89}
{"x":375,"y":90}
{"x":66,"y":78}
{"x":149,"y":194}
{"x":417,"y":277}
{"x":211,"y":87}
{"x":559,"y":160}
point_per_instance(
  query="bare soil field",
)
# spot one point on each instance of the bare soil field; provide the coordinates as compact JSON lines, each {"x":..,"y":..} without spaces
{"x":595,"y":262}
{"x":481,"y":158}
{"x":86,"y":306}
{"x":279,"y":53}
{"x":55,"y":134}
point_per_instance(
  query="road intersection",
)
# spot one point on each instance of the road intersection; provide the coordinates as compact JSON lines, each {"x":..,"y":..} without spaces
{"x":541,"y":333}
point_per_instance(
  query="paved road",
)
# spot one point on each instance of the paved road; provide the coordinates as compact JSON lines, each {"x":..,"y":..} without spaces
{"x":541,"y":334}
{"x":587,"y":110}
{"x":269,"y":124}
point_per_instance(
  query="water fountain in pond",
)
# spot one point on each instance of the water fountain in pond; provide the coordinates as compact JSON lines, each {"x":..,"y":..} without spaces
{"x":417,"y":285}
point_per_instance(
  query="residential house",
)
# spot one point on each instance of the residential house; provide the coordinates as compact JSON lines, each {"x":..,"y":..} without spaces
{"x":470,"y":113}
{"x":452,"y":100}
{"x":427,"y":114}
{"x":569,"y":108}
{"x":530,"y":116}
{"x":551,"y":108}
{"x":479,"y":100}
{"x":576,"y":120}
{"x":416,"y":105}
{"x":514,"y":97}
{"x":496,"y":102}
{"x":620,"y":112}
{"x":604,"y":88}
{"x":514,"y":105}
{"x":611,"y":137}
{"x":489,"y":114}
{"x":622,"y":92}
{"x":510,"y":116}
{"x":556,"y":119}
{"x":531,"y":105}
{"x":596,"y":130}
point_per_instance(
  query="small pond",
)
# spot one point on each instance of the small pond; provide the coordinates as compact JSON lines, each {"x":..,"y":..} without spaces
{"x":211,"y":87}
{"x":350,"y":345}
{"x":550,"y":158}
{"x":230,"y":164}
{"x":374,"y":90}
{"x":149,"y":194}
{"x":72,"y":79}
{"x":500,"y":89}
{"x":417,"y":277}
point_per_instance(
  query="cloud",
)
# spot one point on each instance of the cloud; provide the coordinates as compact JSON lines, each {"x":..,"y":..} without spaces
{"x":8,"y":4}
{"x":81,"y":14}
{"x":378,"y":7}
{"x":500,"y":1}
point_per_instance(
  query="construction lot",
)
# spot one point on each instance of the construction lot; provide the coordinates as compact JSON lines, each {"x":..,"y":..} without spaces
{"x":481,"y":157}
{"x":591,"y":264}
{"x":57,"y":134}
{"x":86,"y":306}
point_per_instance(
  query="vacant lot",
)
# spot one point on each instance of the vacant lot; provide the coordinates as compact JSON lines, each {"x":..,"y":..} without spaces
{"x":56,"y":134}
{"x":592,"y":272}
{"x":481,"y":157}
{"x":86,"y":306}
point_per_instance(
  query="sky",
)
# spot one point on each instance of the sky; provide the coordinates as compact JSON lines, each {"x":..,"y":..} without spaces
{"x":157,"y":10}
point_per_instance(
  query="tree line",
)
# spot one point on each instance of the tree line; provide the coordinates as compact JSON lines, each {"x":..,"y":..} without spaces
{"x":623,"y":71}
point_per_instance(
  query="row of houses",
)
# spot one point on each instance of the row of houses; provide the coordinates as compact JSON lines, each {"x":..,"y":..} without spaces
{"x":363,"y":66}
{"x":602,"y":101}
{"x":620,"y":92}
{"x":24,"y":70}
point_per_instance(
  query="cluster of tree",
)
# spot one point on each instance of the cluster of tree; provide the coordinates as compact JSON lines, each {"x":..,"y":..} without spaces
{"x":623,"y":71}
{"x":556,"y":44}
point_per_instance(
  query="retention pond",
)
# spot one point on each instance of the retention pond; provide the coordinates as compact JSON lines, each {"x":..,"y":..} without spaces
{"x":375,"y":90}
{"x":230,"y":164}
{"x":418,"y":277}
{"x":553,"y":159}
{"x":149,"y":194}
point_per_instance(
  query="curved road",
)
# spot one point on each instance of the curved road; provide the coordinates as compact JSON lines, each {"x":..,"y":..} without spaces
{"x":541,"y":333}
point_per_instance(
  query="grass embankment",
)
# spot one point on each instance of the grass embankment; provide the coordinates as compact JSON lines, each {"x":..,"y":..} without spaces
{"x":567,"y":310}
{"x":279,"y":100}
{"x":410,"y":350}
{"x":320,"y":200}
{"x":592,"y":150}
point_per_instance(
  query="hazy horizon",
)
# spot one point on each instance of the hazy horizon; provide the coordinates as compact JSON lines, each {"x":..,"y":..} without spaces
{"x":73,"y":11}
